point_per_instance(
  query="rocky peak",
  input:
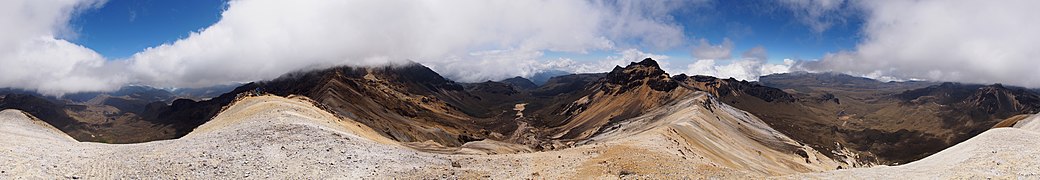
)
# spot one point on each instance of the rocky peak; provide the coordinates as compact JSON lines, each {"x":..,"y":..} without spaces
{"x":415,"y":73}
{"x":646,"y":72}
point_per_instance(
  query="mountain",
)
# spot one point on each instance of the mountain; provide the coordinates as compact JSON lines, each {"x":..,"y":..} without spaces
{"x":807,"y":82}
{"x":143,"y":93}
{"x":414,"y":105}
{"x":409,"y":103}
{"x":541,"y":78}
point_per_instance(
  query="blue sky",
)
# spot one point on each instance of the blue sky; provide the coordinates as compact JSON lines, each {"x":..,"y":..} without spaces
{"x":753,"y":23}
{"x":123,"y":27}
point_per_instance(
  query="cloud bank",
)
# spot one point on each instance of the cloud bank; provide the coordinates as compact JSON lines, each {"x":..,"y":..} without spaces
{"x":957,"y":40}
{"x":468,"y":40}
{"x":464,"y":40}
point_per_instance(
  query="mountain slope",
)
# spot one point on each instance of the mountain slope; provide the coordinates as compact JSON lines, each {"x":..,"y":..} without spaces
{"x":408,"y":103}
{"x":275,"y":137}
{"x":1001,"y":153}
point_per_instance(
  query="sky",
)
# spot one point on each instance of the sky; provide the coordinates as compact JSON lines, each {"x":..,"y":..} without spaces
{"x":121,"y":28}
{"x":62,"y":46}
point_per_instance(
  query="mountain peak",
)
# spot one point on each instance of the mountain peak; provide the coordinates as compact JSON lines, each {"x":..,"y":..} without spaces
{"x":635,"y":74}
{"x":646,"y":62}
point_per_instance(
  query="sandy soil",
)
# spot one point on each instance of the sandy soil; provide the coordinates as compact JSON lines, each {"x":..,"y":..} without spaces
{"x":276,"y":137}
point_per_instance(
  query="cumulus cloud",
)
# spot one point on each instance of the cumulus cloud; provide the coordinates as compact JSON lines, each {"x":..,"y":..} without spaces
{"x":465,"y":40}
{"x":648,"y":23}
{"x":738,"y":69}
{"x":958,"y":40}
{"x":262,"y":39}
{"x":33,"y":57}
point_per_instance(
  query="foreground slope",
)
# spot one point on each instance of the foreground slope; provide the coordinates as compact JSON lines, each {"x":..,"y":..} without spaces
{"x":276,"y":137}
{"x":1002,"y":153}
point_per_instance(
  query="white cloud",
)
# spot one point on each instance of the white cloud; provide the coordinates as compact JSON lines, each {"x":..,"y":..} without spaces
{"x":647,"y":23}
{"x":819,"y":15}
{"x":715,"y":60}
{"x":465,"y":40}
{"x":957,"y":40}
{"x":261,"y":39}
{"x":33,"y":58}
{"x":745,"y":69}
{"x":499,"y":64}
{"x":705,"y":50}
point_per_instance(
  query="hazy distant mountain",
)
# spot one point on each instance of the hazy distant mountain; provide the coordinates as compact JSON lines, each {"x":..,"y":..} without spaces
{"x":204,"y":92}
{"x":144,"y":93}
{"x":544,"y":76}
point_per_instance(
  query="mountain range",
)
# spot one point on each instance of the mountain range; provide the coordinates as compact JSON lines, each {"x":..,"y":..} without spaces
{"x":799,"y":122}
